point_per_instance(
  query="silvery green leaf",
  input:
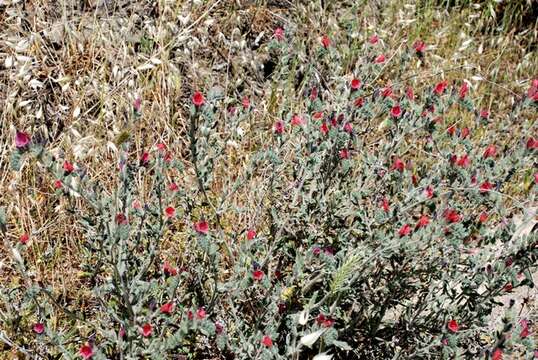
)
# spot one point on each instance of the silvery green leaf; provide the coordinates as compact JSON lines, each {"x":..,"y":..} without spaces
{"x":310,"y":339}
{"x":342,"y":345}
{"x":16,"y":160}
{"x":322,"y":356}
{"x":3,"y":217}
{"x":303,"y":317}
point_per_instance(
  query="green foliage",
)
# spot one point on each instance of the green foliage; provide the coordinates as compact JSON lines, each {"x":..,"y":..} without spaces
{"x":359,"y":229}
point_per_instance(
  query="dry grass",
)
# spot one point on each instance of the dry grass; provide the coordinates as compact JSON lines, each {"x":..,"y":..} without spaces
{"x":69,"y":71}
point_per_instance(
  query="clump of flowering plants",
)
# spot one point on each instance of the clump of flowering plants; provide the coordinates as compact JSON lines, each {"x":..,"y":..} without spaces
{"x":363,"y":219}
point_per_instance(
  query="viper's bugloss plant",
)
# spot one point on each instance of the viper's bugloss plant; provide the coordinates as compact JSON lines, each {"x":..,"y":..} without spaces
{"x":365,"y":219}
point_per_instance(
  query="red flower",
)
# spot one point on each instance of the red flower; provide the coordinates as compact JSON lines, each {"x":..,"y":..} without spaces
{"x":419,"y":46}
{"x":324,"y":321}
{"x":219,"y":327}
{"x":201,"y":313}
{"x":484,"y":114}
{"x":324,"y":128}
{"x":297,"y":120}
{"x":532,"y":93}
{"x":344,"y":154}
{"x":355,"y":84}
{"x":532,"y":143}
{"x":453,"y":326}
{"x":68,"y":167}
{"x":266,"y":341}
{"x":398,"y":165}
{"x":39,"y":328}
{"x":161,"y":147}
{"x":318,"y":115}
{"x":257,"y":275}
{"x":483,"y":217}
{"x":121,"y":333}
{"x":58,"y":184}
{"x":373,"y":39}
{"x":440,"y":88}
{"x":464,"y":89}
{"x":121,"y":219}
{"x":137,"y":104}
{"x":325,"y":41}
{"x":524,"y":329}
{"x":463,"y":161}
{"x":380,"y":59}
{"x":428,"y":192}
{"x":190,"y":315}
{"x":404,"y":230}
{"x":22,"y":139}
{"x":465,"y":132}
{"x":423,"y":221}
{"x":136,"y":204}
{"x":86,"y":351}
{"x":146,"y":329}
{"x":451,"y":216}
{"x":536,"y":178}
{"x":485,"y":187}
{"x":409,"y":93}
{"x":198,"y":99}
{"x":201,"y":227}
{"x":359,"y":102}
{"x":385,"y":204}
{"x":168,"y":269}
{"x":386,"y":91}
{"x":167,"y":308}
{"x":334,"y":122}
{"x":490,"y":151}
{"x":508,"y":287}
{"x":497,"y":354}
{"x":451,"y":130}
{"x":314,"y":93}
{"x":279,"y":127}
{"x":23,"y":239}
{"x":245,"y":102}
{"x":251,"y":234}
{"x":144,"y":159}
{"x":173,"y":187}
{"x":279,"y":34}
{"x":168,"y":157}
{"x":170,"y":212}
{"x":396,"y":111}
{"x":348,"y":128}
{"x":316,"y":250}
